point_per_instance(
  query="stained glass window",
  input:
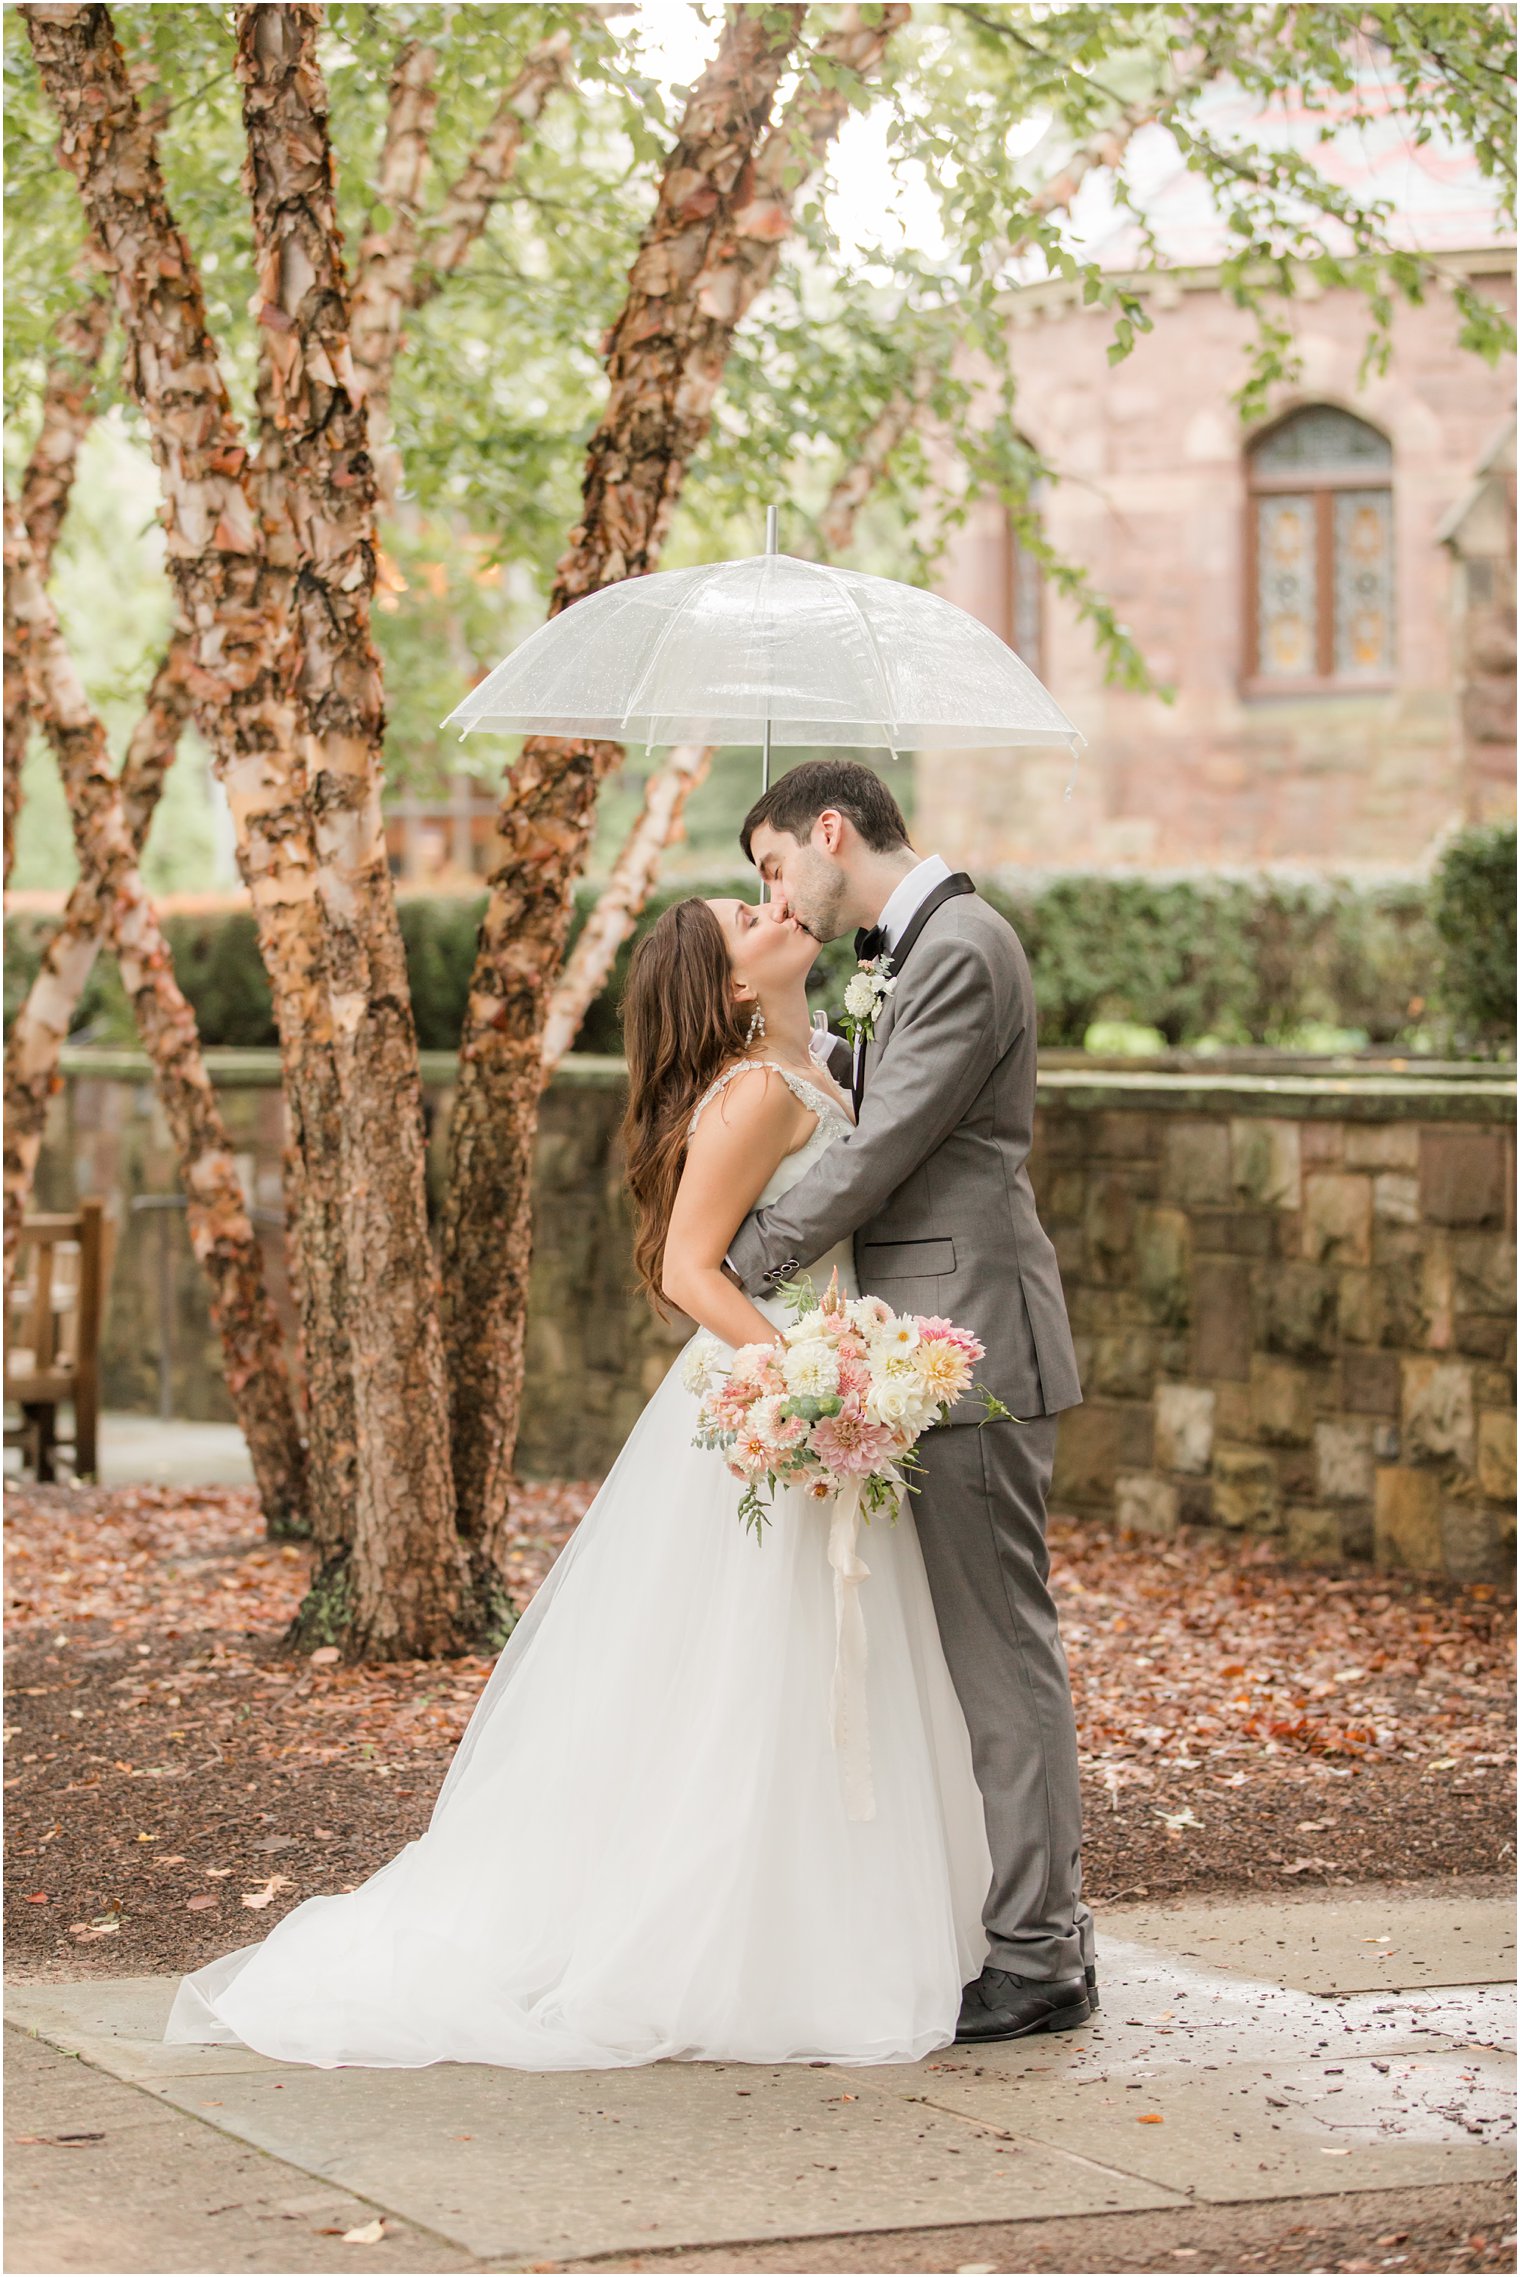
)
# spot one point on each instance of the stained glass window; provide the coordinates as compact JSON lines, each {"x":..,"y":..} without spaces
{"x":1027,"y":605}
{"x":1322,"y":438}
{"x":1321,"y":553}
{"x":1286,"y":608}
{"x":1363,"y":584}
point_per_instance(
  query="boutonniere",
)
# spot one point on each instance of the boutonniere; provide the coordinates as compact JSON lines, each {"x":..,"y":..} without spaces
{"x":867,"y":991}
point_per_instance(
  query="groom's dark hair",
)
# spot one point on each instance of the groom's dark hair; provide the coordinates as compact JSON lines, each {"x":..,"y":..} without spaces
{"x":795,"y":802}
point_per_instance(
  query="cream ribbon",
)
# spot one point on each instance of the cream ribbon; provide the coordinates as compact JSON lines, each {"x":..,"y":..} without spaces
{"x":847,"y":1693}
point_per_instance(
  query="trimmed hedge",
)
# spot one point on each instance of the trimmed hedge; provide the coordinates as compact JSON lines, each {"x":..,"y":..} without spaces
{"x":1473,"y":907}
{"x":1237,"y":961}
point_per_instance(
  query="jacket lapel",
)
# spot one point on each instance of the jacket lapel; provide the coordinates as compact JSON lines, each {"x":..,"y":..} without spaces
{"x":948,"y":889}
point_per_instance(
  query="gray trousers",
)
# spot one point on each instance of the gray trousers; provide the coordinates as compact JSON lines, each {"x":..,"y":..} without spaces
{"x":980,"y":1510}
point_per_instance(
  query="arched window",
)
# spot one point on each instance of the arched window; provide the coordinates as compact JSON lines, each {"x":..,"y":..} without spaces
{"x":1320,"y":554}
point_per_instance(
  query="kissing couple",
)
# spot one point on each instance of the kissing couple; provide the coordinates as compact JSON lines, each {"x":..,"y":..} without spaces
{"x":642,"y":1849}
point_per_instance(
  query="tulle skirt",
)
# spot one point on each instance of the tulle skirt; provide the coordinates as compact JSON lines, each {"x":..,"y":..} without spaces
{"x":642,"y":1847}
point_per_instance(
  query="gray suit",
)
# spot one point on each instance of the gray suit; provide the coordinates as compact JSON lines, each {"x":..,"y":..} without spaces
{"x":934,"y":1185}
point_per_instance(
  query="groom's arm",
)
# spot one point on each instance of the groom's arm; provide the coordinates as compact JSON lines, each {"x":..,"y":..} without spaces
{"x":943,"y":1046}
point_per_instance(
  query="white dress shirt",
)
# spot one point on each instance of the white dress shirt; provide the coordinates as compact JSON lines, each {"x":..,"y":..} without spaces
{"x":908,"y":895}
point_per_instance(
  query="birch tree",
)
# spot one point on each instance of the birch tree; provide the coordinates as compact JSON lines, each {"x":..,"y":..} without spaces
{"x":221,"y":1233}
{"x":67,"y":410}
{"x":404,"y":1585}
{"x":273,"y":559}
{"x":400,"y":270}
{"x":713,"y":244}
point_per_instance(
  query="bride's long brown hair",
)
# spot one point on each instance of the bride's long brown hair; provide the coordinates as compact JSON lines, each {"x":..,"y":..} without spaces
{"x":682,"y":1025}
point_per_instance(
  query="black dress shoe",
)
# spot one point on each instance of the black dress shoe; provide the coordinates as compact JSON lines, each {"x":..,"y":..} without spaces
{"x":1091,"y":1974}
{"x":1002,"y":2006}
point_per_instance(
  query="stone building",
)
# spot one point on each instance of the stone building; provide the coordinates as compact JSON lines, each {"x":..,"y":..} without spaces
{"x":1329,"y":591}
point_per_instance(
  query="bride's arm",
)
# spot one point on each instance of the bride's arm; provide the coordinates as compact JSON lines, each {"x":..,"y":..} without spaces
{"x":752,"y":1124}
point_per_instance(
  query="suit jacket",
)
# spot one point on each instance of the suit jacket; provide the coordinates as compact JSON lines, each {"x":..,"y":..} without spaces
{"x":933,"y":1181}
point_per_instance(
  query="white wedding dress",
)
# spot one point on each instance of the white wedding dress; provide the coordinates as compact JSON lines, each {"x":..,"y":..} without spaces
{"x":642,"y":1847}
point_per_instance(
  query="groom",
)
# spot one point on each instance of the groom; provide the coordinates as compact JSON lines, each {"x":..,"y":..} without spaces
{"x":933,"y":1185}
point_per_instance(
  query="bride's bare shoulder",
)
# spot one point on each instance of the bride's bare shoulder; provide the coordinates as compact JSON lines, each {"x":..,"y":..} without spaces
{"x":751,"y":1097}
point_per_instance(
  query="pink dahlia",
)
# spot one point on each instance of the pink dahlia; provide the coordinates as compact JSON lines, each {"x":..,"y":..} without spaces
{"x":933,"y":1330}
{"x":850,"y":1446}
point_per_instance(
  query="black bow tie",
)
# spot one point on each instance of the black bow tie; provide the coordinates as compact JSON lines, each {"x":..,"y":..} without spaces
{"x":870,"y":943}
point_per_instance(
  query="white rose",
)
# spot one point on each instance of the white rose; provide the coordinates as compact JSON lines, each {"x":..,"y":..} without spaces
{"x":811,"y":1369}
{"x":700,"y":1369}
{"x":809,"y":1328}
{"x":898,"y":1404}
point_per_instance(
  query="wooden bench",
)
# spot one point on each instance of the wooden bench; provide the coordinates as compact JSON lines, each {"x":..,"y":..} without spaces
{"x":52,"y":1354}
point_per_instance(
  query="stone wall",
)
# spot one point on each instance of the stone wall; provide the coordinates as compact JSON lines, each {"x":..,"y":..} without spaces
{"x":1292,"y":1294}
{"x":1293,"y":1303}
{"x":595,"y":1349}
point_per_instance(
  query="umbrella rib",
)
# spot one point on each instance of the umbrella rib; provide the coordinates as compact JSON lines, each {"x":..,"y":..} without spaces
{"x":887,"y":719}
{"x":655,"y":654}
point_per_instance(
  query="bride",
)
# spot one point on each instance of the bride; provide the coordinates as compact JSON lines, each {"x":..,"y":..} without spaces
{"x":642,"y":1848}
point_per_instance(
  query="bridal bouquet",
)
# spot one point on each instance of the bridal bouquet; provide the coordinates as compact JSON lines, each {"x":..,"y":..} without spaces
{"x":839,"y":1406}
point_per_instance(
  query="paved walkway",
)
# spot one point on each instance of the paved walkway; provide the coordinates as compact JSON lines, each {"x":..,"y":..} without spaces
{"x":1246,"y":2052}
{"x":144,"y":1450}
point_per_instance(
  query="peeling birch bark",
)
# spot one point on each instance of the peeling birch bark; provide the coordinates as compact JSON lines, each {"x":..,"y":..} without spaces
{"x":725,"y":202}
{"x":68,"y":411}
{"x":231,"y":559}
{"x":398,"y":270}
{"x":405,"y":1587}
{"x":466,"y":208}
{"x":869,"y":462}
{"x":622,"y":898}
{"x":221,"y":1233}
{"x":69,"y":957}
{"x":387,"y":260}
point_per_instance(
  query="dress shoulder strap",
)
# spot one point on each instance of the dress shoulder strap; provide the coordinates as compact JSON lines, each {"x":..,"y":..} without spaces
{"x":810,"y":1095}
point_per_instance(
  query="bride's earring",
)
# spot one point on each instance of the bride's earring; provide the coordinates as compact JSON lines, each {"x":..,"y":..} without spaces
{"x":756,"y":1030}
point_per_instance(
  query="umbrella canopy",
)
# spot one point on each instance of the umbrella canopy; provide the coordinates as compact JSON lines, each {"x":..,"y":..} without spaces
{"x":720,"y":653}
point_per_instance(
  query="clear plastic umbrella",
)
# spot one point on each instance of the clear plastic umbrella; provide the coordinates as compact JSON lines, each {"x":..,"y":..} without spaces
{"x":773,"y":651}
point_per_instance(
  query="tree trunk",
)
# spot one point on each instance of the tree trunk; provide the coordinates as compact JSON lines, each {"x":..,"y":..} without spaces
{"x":388,"y":254}
{"x":713,"y":243}
{"x":42,"y":1025}
{"x":393,"y":277}
{"x":67,"y":412}
{"x":231,"y":557}
{"x":868,"y":463}
{"x":220,"y":1232}
{"x":622,"y":898}
{"x":405,"y":1578}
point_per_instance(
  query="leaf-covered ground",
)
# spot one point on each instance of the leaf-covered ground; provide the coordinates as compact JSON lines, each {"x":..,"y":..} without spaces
{"x":175,"y":1782}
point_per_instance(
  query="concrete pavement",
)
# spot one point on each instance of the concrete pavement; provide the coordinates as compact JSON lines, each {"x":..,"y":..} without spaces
{"x":1248,"y":2051}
